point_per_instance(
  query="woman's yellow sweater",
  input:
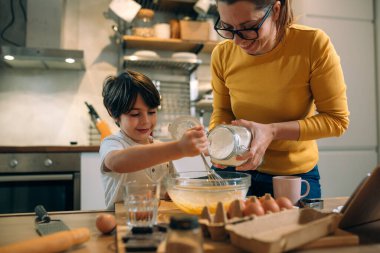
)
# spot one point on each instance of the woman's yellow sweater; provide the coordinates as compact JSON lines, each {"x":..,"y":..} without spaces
{"x":301,"y":79}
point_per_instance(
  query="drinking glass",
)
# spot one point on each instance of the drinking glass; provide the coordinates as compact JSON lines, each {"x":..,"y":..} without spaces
{"x":141,"y":203}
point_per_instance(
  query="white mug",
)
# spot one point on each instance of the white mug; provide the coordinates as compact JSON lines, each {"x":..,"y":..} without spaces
{"x":290,"y":187}
{"x":125,"y":9}
{"x":162,"y":30}
{"x":202,"y":6}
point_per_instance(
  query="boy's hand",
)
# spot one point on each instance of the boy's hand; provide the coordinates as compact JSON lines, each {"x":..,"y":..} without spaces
{"x":193,"y":141}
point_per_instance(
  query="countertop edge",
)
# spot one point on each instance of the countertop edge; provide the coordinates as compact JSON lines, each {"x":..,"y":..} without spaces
{"x":43,"y":149}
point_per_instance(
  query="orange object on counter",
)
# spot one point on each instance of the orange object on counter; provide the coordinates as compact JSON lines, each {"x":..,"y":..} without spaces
{"x":56,"y":242}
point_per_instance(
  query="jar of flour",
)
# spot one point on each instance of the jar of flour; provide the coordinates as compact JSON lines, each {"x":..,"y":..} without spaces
{"x":226,"y":142}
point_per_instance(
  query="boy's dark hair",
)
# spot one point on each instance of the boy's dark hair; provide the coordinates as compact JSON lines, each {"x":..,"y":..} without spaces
{"x":120,"y":92}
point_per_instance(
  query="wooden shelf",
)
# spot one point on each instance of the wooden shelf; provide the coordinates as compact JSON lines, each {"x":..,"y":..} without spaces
{"x":188,"y":65}
{"x":175,"y":45}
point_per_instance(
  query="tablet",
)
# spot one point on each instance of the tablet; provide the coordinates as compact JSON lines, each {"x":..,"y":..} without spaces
{"x":363,"y":206}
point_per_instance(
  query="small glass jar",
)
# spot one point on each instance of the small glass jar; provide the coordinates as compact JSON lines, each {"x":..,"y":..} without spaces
{"x":227,"y":142}
{"x":184,"y":235}
{"x":143,"y":24}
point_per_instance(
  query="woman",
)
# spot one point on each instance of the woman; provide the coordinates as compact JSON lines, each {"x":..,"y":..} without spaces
{"x":272,"y":76}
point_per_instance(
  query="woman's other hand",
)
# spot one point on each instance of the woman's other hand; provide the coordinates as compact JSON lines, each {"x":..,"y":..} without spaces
{"x":193,"y":141}
{"x":262,"y":136}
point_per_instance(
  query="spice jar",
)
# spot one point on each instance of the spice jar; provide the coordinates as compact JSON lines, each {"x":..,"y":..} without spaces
{"x":174,"y":29}
{"x":184,"y":235}
{"x":226,"y":142}
{"x":143,"y":24}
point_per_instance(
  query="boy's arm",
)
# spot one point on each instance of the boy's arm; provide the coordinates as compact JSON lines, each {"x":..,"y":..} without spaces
{"x":144,"y":156}
{"x":141,"y":157}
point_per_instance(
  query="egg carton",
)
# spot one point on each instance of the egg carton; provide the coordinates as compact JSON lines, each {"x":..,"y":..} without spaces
{"x":213,"y":226}
{"x":269,"y":233}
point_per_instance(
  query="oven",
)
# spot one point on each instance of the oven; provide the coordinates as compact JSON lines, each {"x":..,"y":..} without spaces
{"x":48,"y":179}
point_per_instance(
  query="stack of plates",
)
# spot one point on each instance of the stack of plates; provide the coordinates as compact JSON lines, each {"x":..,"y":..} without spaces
{"x":184,"y":56}
{"x":146,"y":53}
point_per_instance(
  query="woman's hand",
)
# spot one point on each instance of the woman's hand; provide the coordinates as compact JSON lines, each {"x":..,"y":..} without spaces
{"x":262,"y":136}
{"x":193,"y":141}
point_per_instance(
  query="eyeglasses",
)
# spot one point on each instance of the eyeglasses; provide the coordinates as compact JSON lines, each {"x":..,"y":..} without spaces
{"x":246,"y":34}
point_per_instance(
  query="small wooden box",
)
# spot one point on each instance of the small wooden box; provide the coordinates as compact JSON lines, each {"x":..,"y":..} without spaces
{"x":194,"y":30}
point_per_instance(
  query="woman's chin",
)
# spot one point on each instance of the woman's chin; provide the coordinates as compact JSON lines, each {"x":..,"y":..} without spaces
{"x":252,"y":49}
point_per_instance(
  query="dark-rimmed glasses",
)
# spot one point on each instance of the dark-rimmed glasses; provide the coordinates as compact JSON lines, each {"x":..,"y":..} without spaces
{"x":246,"y":34}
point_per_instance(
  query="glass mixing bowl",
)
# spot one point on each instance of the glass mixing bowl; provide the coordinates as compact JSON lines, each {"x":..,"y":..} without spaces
{"x":192,"y":190}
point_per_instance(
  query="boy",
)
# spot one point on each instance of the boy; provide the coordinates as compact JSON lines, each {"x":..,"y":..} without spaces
{"x":132,"y":154}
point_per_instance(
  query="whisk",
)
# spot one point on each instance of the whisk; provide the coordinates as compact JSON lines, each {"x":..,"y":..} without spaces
{"x":178,"y":128}
{"x":211,"y":174}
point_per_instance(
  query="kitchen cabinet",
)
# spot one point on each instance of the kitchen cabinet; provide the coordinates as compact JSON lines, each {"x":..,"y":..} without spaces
{"x":350,"y":9}
{"x":342,"y":171}
{"x":91,"y":192}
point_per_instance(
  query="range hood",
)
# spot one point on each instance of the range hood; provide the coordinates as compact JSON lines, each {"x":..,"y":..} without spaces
{"x":51,"y":28}
{"x":42,"y":58}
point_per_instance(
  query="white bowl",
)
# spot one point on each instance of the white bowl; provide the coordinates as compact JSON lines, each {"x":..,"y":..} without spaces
{"x":146,"y":53}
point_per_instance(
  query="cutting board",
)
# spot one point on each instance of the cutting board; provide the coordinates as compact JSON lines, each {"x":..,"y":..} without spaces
{"x":340,"y":238}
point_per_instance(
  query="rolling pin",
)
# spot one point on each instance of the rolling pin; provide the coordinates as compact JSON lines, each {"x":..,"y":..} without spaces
{"x":101,"y":125}
{"x":56,"y":242}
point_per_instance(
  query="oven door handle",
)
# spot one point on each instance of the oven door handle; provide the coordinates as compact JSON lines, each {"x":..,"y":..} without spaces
{"x":23,"y":178}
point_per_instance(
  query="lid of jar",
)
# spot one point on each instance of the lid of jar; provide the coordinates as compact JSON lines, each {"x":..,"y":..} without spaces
{"x":145,"y":13}
{"x":184,"y":222}
{"x":221,"y":143}
{"x":181,"y":124}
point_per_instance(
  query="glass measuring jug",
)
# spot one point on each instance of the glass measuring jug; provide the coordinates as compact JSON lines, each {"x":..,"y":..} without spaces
{"x":228,"y":141}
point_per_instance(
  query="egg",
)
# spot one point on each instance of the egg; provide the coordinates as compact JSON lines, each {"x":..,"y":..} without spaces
{"x":284,"y":203}
{"x":105,"y":223}
{"x":254,"y":208}
{"x":269,"y":204}
{"x":235,"y":209}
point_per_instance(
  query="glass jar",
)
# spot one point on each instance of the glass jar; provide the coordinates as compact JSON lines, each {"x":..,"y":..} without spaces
{"x":228,"y":141}
{"x":143,"y":24}
{"x":184,"y":235}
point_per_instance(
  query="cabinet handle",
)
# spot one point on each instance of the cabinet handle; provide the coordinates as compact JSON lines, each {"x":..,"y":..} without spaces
{"x":22,"y":178}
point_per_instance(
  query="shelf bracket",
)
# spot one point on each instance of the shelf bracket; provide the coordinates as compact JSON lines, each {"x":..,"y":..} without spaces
{"x":198,"y":47}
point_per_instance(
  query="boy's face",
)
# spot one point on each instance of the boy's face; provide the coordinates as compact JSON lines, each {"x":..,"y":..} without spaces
{"x":139,"y":123}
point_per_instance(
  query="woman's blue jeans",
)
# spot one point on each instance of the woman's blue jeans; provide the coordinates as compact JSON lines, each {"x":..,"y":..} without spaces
{"x":261,"y":183}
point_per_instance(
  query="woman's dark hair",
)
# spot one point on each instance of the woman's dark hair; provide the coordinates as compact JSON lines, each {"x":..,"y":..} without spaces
{"x":286,"y":13}
{"x":120,"y":92}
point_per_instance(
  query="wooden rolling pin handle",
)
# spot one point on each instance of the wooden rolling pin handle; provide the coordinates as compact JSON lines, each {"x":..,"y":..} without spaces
{"x":56,"y":242}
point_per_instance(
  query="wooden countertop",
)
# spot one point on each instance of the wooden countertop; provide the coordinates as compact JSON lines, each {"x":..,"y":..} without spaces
{"x":44,"y":149}
{"x":21,"y":227}
{"x":14,"y":228}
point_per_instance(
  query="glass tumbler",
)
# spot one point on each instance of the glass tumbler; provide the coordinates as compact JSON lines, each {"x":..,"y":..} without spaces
{"x":141,"y":202}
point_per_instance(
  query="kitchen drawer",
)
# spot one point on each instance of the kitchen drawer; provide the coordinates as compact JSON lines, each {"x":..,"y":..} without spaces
{"x":39,"y":162}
